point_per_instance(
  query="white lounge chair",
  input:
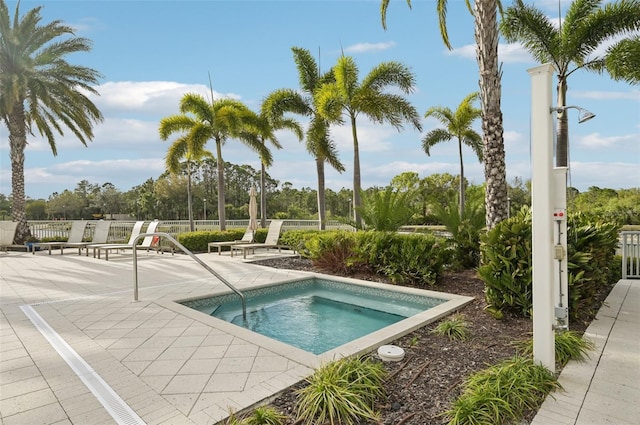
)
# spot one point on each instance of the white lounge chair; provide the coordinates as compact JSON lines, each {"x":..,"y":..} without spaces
{"x":149,"y":243}
{"x":100,"y":235}
{"x":246,"y":238}
{"x":137,"y":229}
{"x":76,"y":234}
{"x":8,"y":234}
{"x":271,"y":241}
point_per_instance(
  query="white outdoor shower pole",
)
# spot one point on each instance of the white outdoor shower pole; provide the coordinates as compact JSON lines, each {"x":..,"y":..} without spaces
{"x":542,"y":187}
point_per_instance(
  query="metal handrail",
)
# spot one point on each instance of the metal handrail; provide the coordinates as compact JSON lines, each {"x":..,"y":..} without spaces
{"x":190,"y":254}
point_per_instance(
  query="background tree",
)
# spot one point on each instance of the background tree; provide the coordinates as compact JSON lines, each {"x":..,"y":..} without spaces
{"x":486,"y":35}
{"x":219,"y":120}
{"x":574,"y":45}
{"x":39,"y":88}
{"x":318,"y":140}
{"x":348,"y":97}
{"x":458,"y":125}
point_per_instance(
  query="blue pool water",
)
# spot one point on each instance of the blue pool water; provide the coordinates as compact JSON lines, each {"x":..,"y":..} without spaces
{"x":316,"y":315}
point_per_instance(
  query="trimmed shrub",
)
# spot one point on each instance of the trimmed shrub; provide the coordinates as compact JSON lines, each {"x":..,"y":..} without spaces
{"x":407,"y":259}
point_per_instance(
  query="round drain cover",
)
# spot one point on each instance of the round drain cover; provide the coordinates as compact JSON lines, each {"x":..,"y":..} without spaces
{"x":390,"y":353}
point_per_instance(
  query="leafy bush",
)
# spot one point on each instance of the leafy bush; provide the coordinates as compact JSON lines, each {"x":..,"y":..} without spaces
{"x":414,"y":259}
{"x":591,"y":251}
{"x":507,"y":264}
{"x":455,"y":328}
{"x":297,"y":240}
{"x":333,"y":251}
{"x":342,"y":392}
{"x":502,"y":393}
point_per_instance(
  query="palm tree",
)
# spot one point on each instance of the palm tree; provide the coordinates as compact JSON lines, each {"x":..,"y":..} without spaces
{"x":318,"y":139}
{"x":486,"y":35}
{"x":201,"y":121}
{"x":39,"y":88}
{"x":347,"y":97}
{"x":183,"y":148}
{"x":574,"y":44}
{"x":263,"y":127}
{"x":458,"y":125}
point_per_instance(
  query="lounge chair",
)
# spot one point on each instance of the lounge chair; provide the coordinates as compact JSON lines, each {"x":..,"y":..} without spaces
{"x":246,"y":238}
{"x":149,"y":243}
{"x":76,"y":234}
{"x":271,"y":241}
{"x":137,"y":229}
{"x":8,"y":234}
{"x":100,"y":235}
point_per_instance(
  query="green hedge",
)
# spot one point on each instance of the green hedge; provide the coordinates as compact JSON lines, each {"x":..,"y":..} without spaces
{"x":197,"y":241}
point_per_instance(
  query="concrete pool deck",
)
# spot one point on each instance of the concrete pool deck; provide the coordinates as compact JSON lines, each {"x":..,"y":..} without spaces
{"x":76,"y":349}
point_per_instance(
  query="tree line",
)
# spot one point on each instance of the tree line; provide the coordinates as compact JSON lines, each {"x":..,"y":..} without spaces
{"x":165,"y":198}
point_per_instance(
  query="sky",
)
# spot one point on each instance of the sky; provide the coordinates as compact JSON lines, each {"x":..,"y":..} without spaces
{"x":150,"y":53}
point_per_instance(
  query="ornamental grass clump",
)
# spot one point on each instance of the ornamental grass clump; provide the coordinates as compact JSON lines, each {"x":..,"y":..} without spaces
{"x":569,"y":345}
{"x":455,"y":328}
{"x":342,"y":392}
{"x":502,"y":393}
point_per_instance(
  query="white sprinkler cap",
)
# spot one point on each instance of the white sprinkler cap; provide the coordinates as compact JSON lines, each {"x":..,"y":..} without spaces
{"x":390,"y":353}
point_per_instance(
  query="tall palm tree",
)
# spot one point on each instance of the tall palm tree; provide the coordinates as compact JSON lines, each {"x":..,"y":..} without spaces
{"x":348,"y":97}
{"x":39,"y":88}
{"x":318,"y":139}
{"x":218,"y":120}
{"x":184,"y":148}
{"x":263,"y":127}
{"x":486,"y":35}
{"x":574,"y":44}
{"x":458,"y":125}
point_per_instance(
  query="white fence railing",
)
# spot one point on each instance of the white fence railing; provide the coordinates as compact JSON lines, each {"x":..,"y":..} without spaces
{"x":120,"y":229}
{"x":630,"y":255}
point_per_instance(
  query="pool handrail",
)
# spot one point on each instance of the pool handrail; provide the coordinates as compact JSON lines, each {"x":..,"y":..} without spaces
{"x":190,"y":254}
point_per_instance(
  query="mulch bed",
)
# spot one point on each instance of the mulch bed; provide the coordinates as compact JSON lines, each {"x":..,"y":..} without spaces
{"x":422,"y":386}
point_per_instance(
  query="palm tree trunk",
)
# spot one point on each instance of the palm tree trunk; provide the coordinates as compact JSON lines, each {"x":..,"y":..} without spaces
{"x":356,"y":175}
{"x":321,"y":204}
{"x":461,"y":203}
{"x":190,"y":197}
{"x":17,"y":143}
{"x":263,"y":198}
{"x":221,"y":212}
{"x":562,"y":137}
{"x":486,"y":34}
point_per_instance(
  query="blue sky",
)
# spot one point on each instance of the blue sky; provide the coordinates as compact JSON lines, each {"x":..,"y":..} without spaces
{"x":152,"y":52}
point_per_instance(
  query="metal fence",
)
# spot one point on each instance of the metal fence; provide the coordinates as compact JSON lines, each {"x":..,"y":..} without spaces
{"x":630,"y":255}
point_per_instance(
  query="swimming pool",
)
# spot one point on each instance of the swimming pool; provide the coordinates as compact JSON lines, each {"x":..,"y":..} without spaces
{"x":317,"y":314}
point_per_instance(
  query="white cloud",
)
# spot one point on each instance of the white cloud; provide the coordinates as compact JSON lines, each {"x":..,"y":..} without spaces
{"x":633,"y":94}
{"x":596,"y":141}
{"x":507,"y":53}
{"x":604,"y":174}
{"x":369,"y":47}
{"x":148,"y":97}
